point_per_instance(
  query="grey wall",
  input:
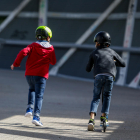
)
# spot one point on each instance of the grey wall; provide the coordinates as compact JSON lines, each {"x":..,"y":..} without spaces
{"x":68,"y":30}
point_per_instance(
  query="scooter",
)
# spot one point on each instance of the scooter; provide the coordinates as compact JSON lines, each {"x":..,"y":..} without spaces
{"x":104,"y":126}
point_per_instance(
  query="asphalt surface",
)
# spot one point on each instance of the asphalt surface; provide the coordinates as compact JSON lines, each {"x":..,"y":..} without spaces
{"x":65,"y":111}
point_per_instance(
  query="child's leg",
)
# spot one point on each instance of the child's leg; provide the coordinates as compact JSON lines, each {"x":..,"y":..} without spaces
{"x":92,"y":115}
{"x":95,"y":102}
{"x":31,"y":94}
{"x":31,"y":98}
{"x":107,"y":95}
{"x":39,"y":92}
{"x":96,"y":96}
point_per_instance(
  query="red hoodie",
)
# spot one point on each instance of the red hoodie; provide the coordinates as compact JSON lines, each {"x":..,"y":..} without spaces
{"x":40,"y":55}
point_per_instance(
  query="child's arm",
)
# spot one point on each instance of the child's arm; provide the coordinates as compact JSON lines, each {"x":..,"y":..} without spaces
{"x":118,"y":61}
{"x":90,"y":63}
{"x":24,"y":52}
{"x":53,"y":57}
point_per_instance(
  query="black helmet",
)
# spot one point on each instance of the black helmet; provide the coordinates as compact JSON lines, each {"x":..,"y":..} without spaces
{"x":103,"y":38}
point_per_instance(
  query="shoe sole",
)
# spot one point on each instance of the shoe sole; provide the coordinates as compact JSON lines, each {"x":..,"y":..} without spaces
{"x":29,"y":114}
{"x":90,"y":127}
{"x":36,"y":123}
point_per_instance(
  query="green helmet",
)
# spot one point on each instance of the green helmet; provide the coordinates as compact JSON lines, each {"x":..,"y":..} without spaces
{"x":43,"y":31}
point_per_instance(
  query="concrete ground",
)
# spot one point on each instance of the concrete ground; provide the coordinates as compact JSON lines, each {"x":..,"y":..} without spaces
{"x":65,"y":111}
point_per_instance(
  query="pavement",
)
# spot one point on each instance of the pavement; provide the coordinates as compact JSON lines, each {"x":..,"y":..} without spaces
{"x":65,"y":111}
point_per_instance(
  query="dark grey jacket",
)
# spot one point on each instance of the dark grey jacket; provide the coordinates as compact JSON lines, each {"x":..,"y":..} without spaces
{"x":102,"y":61}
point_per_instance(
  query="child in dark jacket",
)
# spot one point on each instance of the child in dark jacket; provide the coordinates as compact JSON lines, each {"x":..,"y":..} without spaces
{"x":103,"y":60}
{"x":40,"y":55}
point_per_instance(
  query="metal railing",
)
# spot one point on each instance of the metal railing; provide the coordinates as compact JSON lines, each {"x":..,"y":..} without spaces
{"x":69,"y":45}
{"x":61,"y":15}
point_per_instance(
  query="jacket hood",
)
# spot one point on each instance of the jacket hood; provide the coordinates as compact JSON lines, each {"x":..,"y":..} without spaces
{"x":42,"y":47}
{"x":44,"y":44}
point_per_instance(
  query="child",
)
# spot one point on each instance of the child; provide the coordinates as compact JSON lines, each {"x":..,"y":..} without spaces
{"x":104,"y":60}
{"x":40,"y":55}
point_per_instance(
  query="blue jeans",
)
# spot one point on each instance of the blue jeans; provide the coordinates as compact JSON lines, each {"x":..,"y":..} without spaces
{"x":105,"y":82}
{"x":36,"y":91}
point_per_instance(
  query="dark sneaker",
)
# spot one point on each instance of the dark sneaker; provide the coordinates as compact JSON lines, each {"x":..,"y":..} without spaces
{"x":104,"y":119}
{"x":29,"y":112}
{"x":91,"y":125}
{"x":36,"y":121}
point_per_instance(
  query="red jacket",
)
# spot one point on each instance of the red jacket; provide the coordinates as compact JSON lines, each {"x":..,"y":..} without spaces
{"x":40,"y":55}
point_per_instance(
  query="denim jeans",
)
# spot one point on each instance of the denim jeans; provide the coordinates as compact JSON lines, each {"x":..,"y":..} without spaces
{"x":105,"y":82}
{"x":36,"y":91}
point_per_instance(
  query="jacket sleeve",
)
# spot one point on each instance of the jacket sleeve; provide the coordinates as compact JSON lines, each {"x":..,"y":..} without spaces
{"x":24,"y":52}
{"x":53,"y":57}
{"x":119,"y":61}
{"x":90,"y":63}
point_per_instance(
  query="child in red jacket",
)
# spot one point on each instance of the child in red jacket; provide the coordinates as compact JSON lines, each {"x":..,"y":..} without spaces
{"x":40,"y":55}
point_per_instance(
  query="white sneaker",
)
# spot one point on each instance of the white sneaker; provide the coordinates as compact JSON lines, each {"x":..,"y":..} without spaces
{"x":91,"y":125}
{"x":36,"y":121}
{"x":29,"y":112}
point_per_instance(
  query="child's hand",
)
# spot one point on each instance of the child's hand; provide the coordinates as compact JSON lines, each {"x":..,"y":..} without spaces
{"x":12,"y":67}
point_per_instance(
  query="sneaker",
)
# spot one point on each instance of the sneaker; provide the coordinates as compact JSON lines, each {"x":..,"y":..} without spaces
{"x":102,"y":119}
{"x":29,"y":112}
{"x":91,"y":125}
{"x":36,"y":121}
